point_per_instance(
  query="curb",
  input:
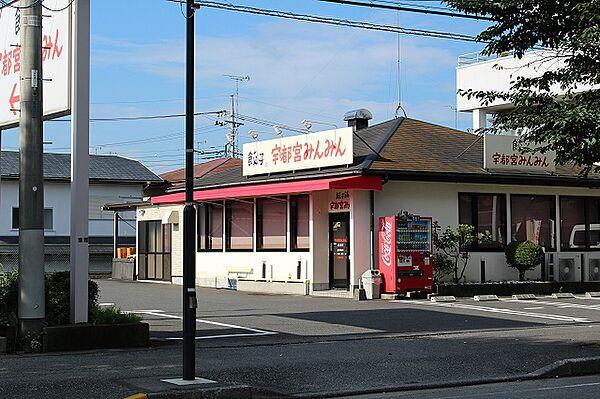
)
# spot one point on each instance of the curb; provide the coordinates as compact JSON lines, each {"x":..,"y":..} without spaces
{"x":562,"y":368}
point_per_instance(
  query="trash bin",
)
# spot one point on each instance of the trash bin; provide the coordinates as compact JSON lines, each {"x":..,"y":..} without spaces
{"x":371,"y":281}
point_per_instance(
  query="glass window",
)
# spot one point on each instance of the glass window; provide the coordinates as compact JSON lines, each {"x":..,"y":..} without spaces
{"x":240,"y":225}
{"x":48,"y":218}
{"x":572,"y":223}
{"x":533,"y":218}
{"x":154,"y":252}
{"x":487,"y":213}
{"x":593,"y":219}
{"x":299,"y":219}
{"x":210,"y":227}
{"x":271,"y":223}
{"x":580,"y":223}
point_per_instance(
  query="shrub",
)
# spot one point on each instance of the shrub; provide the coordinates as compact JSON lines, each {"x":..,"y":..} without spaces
{"x":523,"y":256}
{"x":58,"y":303}
{"x":114,"y":315}
{"x":9,"y":286}
{"x":451,"y":248}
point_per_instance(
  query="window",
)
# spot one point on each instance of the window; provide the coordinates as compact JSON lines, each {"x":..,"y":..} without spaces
{"x":299,"y":220}
{"x":154,"y":250}
{"x":579,"y":223}
{"x":239,"y":217}
{"x":271,"y":224}
{"x":533,"y":218}
{"x":48,"y":219}
{"x":210,"y":227}
{"x":487,"y":213}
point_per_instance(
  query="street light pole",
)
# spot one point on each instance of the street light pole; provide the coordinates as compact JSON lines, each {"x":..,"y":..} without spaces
{"x":189,"y":211}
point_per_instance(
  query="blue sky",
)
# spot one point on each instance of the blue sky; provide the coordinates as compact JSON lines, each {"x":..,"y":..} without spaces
{"x":297,"y":71}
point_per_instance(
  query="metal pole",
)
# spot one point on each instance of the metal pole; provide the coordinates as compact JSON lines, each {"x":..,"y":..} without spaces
{"x":31,"y":300}
{"x":116,"y":235}
{"x":189,"y":211}
{"x":233,"y":127}
{"x":80,"y":161}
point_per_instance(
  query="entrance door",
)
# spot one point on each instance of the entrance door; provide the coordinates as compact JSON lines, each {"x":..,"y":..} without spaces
{"x":154,"y":253}
{"x":339,"y":250}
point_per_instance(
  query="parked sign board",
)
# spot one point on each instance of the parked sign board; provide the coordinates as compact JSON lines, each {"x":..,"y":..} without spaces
{"x":503,"y":152}
{"x":307,"y":151}
{"x":56,"y":61}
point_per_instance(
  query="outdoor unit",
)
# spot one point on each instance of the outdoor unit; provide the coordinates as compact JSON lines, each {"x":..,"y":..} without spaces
{"x":592,"y":267}
{"x":568,"y":267}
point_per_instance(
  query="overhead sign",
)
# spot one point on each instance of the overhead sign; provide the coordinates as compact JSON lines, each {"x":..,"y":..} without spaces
{"x":308,"y":151}
{"x":56,"y":61}
{"x":503,"y":152}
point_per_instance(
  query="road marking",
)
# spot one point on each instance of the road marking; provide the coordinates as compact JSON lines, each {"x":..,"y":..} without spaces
{"x":563,"y":305}
{"x":511,"y":312}
{"x":534,"y":308}
{"x":254,"y":332}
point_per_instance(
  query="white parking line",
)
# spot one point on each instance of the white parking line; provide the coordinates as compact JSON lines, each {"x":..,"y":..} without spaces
{"x":511,"y":312}
{"x":561,"y":304}
{"x":254,"y":332}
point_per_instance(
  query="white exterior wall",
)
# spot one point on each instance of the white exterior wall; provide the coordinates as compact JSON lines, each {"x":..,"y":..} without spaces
{"x":360,"y":233}
{"x":215,"y":268}
{"x":440,"y":201}
{"x":57,"y":196}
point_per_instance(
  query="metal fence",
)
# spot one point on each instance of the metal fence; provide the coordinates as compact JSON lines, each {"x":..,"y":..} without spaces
{"x":57,"y":259}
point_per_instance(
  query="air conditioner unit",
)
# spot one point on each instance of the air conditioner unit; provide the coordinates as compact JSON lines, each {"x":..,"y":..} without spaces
{"x":567,"y":268}
{"x":592,"y":272}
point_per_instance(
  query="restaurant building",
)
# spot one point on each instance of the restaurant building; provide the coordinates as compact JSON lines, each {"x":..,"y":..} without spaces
{"x":299,"y":214}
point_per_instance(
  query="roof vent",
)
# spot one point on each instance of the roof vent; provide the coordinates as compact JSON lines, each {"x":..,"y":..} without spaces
{"x":359,"y":119}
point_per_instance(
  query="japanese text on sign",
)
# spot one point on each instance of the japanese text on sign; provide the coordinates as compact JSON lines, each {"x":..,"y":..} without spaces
{"x":55,"y":58}
{"x":314,"y":150}
{"x":503,"y":152}
{"x":340,"y":201}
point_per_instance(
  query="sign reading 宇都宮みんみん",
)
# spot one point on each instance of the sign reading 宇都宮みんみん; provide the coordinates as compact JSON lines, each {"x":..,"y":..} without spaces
{"x":307,"y":151}
{"x":503,"y":152}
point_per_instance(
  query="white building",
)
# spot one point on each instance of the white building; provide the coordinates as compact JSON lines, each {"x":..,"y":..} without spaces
{"x":277,"y":232}
{"x":112,"y":179}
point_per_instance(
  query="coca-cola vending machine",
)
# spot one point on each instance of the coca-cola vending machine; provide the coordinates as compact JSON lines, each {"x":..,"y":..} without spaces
{"x":405,"y":254}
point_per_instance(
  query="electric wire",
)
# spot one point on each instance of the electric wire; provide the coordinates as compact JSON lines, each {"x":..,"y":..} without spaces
{"x":336,"y":21}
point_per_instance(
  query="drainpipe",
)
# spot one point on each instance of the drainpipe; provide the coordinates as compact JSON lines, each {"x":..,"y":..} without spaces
{"x":372,"y":228}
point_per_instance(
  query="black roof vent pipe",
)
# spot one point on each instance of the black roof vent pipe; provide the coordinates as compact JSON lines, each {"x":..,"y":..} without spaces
{"x":358,"y":119}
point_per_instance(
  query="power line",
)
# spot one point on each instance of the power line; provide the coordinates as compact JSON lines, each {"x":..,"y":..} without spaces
{"x":335,"y":21}
{"x":140,"y":118}
{"x":408,"y":9}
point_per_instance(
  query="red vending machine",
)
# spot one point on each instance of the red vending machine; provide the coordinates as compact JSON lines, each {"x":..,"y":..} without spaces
{"x":405,"y":254}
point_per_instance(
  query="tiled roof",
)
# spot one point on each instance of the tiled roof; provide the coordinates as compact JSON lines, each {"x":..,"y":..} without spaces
{"x":106,"y":168}
{"x":408,"y":149}
{"x":203,"y":169}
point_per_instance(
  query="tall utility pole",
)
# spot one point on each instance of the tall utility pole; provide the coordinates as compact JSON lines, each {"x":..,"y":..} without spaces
{"x":31,"y":301}
{"x":80,"y":162}
{"x":189,"y":211}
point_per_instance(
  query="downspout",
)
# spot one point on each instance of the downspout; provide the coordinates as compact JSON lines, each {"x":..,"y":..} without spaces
{"x":372,"y":228}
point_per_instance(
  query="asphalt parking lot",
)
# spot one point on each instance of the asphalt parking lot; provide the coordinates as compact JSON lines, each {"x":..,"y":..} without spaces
{"x":315,"y":347}
{"x":230,"y":316}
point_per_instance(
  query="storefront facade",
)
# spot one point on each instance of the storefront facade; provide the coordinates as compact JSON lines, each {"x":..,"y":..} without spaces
{"x":311,"y":231}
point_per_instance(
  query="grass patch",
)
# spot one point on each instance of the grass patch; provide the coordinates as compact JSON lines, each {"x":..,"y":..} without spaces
{"x":114,"y":315}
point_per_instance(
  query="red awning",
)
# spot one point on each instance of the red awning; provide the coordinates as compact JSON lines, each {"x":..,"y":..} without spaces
{"x":285,"y":187}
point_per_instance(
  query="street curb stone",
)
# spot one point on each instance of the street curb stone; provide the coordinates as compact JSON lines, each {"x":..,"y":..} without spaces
{"x":562,"y":368}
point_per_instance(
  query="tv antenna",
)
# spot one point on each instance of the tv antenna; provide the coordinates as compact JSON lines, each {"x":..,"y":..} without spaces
{"x":235,"y":104}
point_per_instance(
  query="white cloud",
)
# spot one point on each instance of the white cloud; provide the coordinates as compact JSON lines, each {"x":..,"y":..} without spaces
{"x":321,"y":71}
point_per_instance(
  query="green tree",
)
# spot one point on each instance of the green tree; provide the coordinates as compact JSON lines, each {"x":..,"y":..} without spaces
{"x":523,"y":256}
{"x":571,"y":30}
{"x":451,"y":250}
